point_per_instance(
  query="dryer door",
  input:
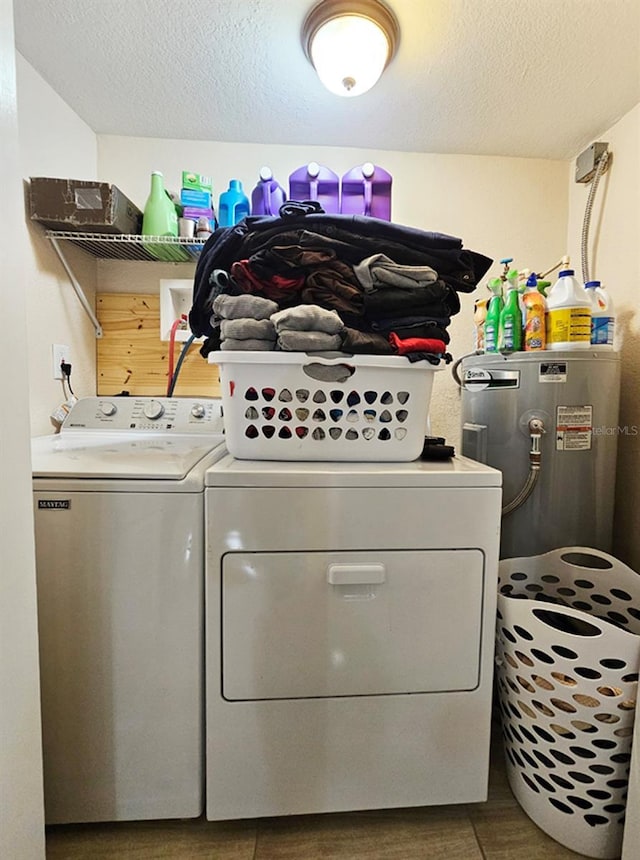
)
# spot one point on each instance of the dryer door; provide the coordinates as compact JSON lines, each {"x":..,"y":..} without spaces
{"x":317,"y":624}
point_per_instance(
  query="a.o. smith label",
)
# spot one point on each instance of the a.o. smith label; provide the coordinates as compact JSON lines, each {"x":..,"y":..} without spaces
{"x":54,"y":504}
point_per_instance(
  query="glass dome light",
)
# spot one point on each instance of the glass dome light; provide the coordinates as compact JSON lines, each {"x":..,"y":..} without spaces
{"x":349,"y":43}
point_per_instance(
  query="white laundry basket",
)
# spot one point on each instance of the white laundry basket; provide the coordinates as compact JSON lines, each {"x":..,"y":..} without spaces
{"x":299,"y":406}
{"x":567,"y":655}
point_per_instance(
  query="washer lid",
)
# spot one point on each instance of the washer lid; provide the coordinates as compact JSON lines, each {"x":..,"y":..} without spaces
{"x":107,"y":455}
{"x":457,"y":472}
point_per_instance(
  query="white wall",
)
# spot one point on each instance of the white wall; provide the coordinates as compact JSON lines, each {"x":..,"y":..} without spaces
{"x":21,"y":802}
{"x":498,"y":206}
{"x":54,"y":142}
{"x":614,"y":259}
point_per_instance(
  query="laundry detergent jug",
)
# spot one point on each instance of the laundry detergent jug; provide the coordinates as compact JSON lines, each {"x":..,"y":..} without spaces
{"x":568,"y":314}
{"x":268,"y":195}
{"x":366,"y":190}
{"x":159,"y":219}
{"x":603,"y":318}
{"x":315,"y":182}
{"x":234,"y":204}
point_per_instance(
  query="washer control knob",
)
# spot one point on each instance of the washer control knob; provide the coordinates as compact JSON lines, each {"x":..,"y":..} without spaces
{"x":198,"y":410}
{"x":107,"y":408}
{"x":153,"y":410}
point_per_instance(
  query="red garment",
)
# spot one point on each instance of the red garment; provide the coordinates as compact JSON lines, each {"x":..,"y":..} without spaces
{"x":417,"y":344}
{"x":276,"y":288}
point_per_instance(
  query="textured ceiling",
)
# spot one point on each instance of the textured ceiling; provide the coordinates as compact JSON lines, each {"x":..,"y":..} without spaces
{"x":533,"y":78}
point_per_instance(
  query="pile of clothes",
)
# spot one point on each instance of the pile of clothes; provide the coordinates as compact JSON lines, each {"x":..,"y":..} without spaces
{"x":331,"y":283}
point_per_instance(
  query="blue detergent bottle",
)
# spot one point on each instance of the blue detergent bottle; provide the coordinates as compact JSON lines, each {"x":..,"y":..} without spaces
{"x":314,"y":181}
{"x":233,"y":205}
{"x":366,"y":190}
{"x":268,"y":195}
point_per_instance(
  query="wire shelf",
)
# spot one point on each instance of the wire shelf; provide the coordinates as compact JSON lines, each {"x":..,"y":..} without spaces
{"x":132,"y":247}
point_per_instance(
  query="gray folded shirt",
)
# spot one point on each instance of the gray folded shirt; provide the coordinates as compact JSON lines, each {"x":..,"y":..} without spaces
{"x":243,"y":307}
{"x":247,"y":329}
{"x":308,"y":341}
{"x":379,"y":272}
{"x":307,"y":318}
{"x":254,"y":344}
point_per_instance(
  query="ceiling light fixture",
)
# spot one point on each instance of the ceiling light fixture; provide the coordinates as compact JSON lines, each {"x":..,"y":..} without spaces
{"x":349,"y":43}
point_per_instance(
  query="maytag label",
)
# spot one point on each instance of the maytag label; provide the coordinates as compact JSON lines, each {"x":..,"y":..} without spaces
{"x":54,"y":504}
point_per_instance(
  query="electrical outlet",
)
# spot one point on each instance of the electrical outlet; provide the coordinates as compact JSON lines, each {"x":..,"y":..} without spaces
{"x":61,"y":353}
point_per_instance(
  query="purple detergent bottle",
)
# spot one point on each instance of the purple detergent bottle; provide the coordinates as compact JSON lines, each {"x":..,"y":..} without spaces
{"x":366,"y":190}
{"x":268,"y":195}
{"x":315,"y":182}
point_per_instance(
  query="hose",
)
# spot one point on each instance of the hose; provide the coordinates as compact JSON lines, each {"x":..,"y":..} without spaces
{"x":172,"y":342}
{"x":174,"y":378}
{"x":536,"y":429}
{"x":586,"y":223}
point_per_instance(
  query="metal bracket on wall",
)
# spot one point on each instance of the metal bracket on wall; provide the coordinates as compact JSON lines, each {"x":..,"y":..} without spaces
{"x":76,"y":286}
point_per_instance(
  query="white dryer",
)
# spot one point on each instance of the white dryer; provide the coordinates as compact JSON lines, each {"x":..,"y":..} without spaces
{"x":350,"y":614}
{"x":119,"y":514}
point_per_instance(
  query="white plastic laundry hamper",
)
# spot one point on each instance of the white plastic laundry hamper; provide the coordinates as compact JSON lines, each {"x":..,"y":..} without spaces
{"x":299,"y":406}
{"x":567,"y":655}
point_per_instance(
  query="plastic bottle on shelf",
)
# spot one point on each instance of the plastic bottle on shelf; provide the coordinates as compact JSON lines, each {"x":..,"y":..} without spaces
{"x":510,"y":327}
{"x":233,"y":205}
{"x":492,"y":321}
{"x":160,"y":217}
{"x":313,"y":181}
{"x":603,"y":318}
{"x":535,"y":335}
{"x":568,"y":321}
{"x":268,"y":195}
{"x":479,"y":319}
{"x":366,"y":190}
{"x":203,"y":228}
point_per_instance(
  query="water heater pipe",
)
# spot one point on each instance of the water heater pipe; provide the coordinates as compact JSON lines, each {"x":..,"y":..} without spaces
{"x":600,"y":169}
{"x":456,"y":364}
{"x":536,"y":429}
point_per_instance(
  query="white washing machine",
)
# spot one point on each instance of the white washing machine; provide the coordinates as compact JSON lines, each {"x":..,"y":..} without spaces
{"x":350,"y":614}
{"x":119,"y":515}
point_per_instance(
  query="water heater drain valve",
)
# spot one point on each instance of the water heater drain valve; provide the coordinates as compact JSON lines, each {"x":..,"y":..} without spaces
{"x":536,"y":429}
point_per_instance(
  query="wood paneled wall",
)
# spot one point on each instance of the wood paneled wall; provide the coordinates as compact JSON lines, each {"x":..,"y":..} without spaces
{"x":131,"y":357}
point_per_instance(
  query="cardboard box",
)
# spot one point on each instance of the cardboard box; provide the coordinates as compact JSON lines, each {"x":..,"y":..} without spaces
{"x":195,"y":212}
{"x":196,"y":181}
{"x":190,"y":197}
{"x":78,"y":205}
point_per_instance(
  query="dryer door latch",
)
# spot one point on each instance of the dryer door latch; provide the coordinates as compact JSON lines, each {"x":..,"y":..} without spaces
{"x":356,"y":574}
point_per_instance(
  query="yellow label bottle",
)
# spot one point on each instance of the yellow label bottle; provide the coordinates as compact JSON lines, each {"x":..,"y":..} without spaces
{"x":568,"y":321}
{"x":535,"y":335}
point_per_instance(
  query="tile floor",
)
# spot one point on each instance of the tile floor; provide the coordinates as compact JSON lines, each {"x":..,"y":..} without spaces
{"x":495,"y":830}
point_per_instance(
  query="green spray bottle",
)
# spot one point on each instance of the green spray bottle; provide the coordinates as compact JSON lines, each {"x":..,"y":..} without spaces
{"x":510,"y":328}
{"x":492,"y":321}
